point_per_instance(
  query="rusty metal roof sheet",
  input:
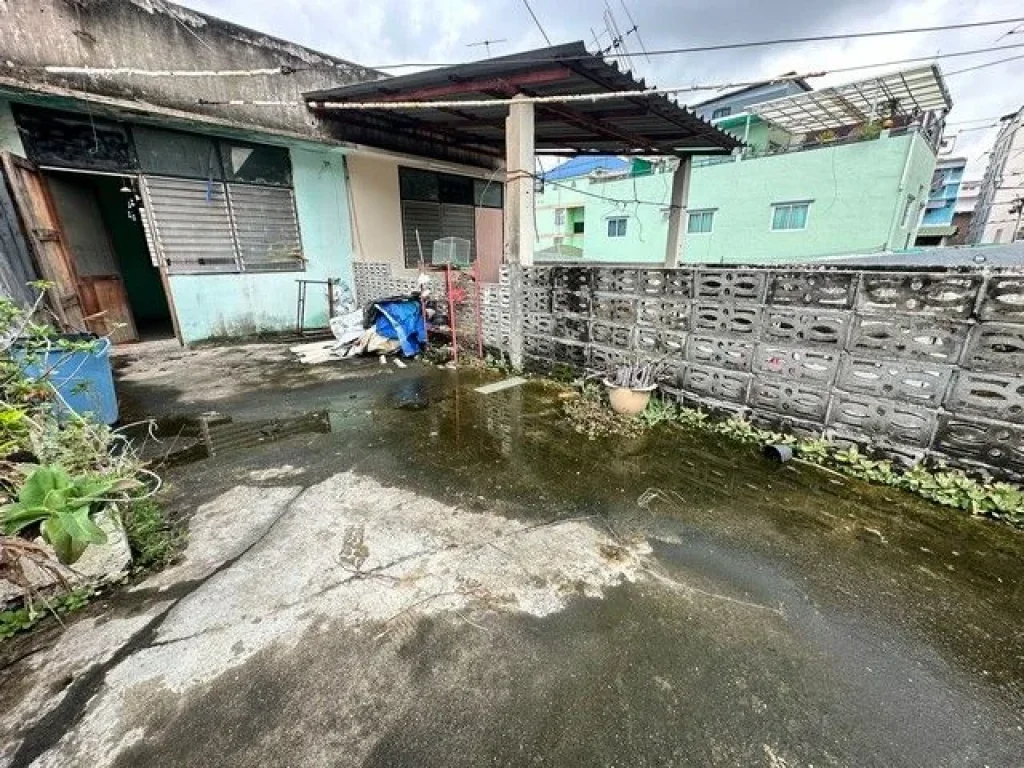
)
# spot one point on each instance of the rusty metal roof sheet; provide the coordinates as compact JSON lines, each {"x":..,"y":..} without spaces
{"x":630,"y":125}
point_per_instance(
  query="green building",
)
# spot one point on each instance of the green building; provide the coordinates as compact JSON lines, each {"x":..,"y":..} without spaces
{"x":824,"y":173}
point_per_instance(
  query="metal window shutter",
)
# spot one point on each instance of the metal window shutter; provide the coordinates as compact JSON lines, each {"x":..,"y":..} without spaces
{"x":191,"y":224}
{"x":266,"y":227}
{"x":424,"y":218}
{"x":459,"y":221}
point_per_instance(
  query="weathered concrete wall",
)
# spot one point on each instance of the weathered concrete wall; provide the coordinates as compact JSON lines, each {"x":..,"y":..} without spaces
{"x":915,"y":363}
{"x":217,"y":305}
{"x":376,"y":210}
{"x":156,"y":35}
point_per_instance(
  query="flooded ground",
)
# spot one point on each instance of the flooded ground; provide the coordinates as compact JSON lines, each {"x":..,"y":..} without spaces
{"x":538,"y":598}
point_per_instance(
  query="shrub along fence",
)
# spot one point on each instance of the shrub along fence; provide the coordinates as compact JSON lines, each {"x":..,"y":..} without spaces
{"x":913,"y":363}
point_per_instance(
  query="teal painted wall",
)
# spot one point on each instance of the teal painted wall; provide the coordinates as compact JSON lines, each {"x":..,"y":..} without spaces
{"x":855,"y":189}
{"x":10,"y":139}
{"x":241,"y":304}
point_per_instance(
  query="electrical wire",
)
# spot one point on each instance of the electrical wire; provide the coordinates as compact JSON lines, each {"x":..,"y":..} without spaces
{"x":693,"y":88}
{"x":606,"y":198}
{"x":733,"y":46}
{"x":986,"y":64}
{"x":537,"y":22}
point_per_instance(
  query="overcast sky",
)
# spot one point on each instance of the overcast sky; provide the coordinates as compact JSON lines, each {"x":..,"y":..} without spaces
{"x":376,"y":32}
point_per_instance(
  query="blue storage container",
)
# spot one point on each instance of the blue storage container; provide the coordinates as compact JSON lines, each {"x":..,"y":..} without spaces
{"x":84,"y":379}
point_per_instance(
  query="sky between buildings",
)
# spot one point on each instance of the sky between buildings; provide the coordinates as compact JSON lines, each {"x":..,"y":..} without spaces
{"x":377,"y":32}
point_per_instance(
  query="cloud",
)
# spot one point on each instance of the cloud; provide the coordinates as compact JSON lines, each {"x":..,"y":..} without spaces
{"x":375,"y":32}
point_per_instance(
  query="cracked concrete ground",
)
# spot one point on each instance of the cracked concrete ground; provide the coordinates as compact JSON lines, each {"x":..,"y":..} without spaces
{"x":450,"y":579}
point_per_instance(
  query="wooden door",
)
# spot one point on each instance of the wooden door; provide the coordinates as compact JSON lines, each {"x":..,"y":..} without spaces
{"x":106,"y":307}
{"x":42,"y":227}
{"x":490,"y":244}
{"x":100,"y":287}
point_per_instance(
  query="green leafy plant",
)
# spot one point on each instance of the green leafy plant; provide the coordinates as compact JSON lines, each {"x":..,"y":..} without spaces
{"x":872,"y":129}
{"x":948,"y":487}
{"x":15,"y":620}
{"x":62,"y":506}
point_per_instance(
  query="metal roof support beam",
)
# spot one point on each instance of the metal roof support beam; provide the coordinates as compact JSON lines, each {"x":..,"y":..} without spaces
{"x":541,"y":77}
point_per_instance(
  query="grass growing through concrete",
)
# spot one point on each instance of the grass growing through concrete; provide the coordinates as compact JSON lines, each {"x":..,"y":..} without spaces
{"x":590,"y":415}
{"x":155,"y":541}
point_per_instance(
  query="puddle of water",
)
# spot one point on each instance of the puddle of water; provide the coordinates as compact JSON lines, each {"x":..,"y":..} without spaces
{"x":856,"y":547}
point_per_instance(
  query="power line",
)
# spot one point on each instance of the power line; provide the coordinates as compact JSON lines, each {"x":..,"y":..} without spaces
{"x":732,"y":46}
{"x":982,"y":66}
{"x":537,"y":22}
{"x":604,"y":96}
{"x":617,"y":201}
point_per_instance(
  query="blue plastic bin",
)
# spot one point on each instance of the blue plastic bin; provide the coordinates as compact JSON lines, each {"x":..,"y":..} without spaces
{"x":84,"y":380}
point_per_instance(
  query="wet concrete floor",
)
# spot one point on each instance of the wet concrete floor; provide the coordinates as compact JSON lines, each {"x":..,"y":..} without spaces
{"x":776,"y":615}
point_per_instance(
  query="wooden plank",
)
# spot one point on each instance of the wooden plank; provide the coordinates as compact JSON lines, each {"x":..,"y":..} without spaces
{"x":107,"y":312}
{"x":490,"y":245}
{"x":41,"y":224}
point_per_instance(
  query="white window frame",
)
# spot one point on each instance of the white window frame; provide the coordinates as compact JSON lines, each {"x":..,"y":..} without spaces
{"x":617,"y":219}
{"x":560,"y":217}
{"x":701,"y":212}
{"x":789,"y":204}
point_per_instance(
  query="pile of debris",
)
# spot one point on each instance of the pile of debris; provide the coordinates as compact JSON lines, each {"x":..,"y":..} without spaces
{"x":392,"y":326}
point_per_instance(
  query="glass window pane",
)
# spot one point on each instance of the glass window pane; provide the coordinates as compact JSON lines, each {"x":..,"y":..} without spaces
{"x":171,"y":153}
{"x":456,"y":189}
{"x":487,"y":194}
{"x":256,"y":163}
{"x":418,"y":185}
{"x":611,"y":227}
{"x":74,"y":141}
{"x":798,"y":216}
{"x":780,"y":218}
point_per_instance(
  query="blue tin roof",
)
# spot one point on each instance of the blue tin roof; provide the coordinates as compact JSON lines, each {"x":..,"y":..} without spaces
{"x":581,"y":166}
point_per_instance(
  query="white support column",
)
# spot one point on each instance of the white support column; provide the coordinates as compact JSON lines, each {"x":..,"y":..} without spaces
{"x":520,"y":234}
{"x":519,"y":227}
{"x":677,"y":211}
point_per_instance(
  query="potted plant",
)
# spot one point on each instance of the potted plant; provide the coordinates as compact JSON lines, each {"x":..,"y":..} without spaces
{"x":630,"y":386}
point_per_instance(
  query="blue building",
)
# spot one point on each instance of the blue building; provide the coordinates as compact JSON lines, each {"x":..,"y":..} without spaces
{"x":937,"y":222}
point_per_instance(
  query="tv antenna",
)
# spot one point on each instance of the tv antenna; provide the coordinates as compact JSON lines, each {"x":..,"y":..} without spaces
{"x":487,"y":44}
{"x":618,"y":49}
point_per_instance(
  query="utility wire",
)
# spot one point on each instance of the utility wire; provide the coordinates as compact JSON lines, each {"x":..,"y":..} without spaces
{"x":606,"y":198}
{"x":605,"y":96}
{"x":982,"y":66}
{"x":732,"y":46}
{"x":537,"y":22}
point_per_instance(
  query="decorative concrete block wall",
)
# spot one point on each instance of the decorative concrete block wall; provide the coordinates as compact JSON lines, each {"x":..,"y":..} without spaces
{"x":375,"y":281}
{"x":914,"y":363}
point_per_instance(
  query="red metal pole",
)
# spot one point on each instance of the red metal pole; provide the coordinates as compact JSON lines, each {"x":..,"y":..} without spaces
{"x":479,"y":313}
{"x":451,"y":311}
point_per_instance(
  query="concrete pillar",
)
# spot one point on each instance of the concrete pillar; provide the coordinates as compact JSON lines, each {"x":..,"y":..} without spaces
{"x":677,"y":211}
{"x":519,"y":215}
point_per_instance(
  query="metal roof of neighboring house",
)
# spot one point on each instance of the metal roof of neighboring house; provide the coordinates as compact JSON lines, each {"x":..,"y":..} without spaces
{"x":629,"y":125}
{"x":937,"y":230}
{"x":798,"y":81}
{"x":1007,"y":255}
{"x":915,"y":90}
{"x":583,"y":166}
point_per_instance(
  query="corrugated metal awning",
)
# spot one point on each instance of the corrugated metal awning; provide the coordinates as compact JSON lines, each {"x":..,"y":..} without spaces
{"x":906,"y":92}
{"x":630,"y":125}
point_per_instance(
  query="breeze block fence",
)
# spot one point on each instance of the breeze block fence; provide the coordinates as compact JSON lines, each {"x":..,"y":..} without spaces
{"x":913,"y":363}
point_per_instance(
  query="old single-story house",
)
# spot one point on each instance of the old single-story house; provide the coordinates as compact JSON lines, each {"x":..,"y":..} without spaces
{"x":175,"y":173}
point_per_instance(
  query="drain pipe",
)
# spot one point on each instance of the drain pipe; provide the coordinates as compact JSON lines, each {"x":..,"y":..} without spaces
{"x":887,"y":245}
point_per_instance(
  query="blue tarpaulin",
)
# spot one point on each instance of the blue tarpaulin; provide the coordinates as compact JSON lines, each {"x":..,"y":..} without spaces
{"x":402,"y":320}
